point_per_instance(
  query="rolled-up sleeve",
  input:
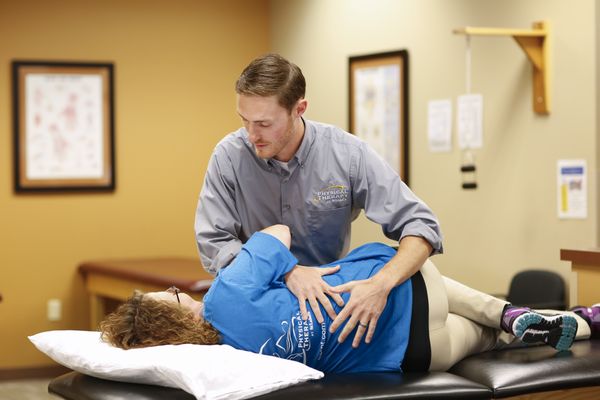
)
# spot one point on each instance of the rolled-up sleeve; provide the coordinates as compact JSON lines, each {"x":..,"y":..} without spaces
{"x":389,"y":202}
{"x":217,"y":222}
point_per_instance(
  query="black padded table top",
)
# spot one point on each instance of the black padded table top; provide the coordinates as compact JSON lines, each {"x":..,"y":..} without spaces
{"x":364,"y":386}
{"x":495,"y":374}
{"x":76,"y":386}
{"x":534,"y":369}
{"x":434,"y":385}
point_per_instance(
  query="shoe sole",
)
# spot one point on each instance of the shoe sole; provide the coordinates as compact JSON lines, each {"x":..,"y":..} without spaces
{"x":557,"y":331}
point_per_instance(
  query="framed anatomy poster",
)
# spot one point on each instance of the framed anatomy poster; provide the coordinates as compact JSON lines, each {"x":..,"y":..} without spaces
{"x":63,"y":126}
{"x":378,"y":105}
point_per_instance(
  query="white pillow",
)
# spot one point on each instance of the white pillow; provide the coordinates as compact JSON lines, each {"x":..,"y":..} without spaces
{"x":207,"y":372}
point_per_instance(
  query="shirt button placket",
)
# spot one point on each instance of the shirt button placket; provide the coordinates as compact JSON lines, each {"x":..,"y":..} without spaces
{"x":285,"y":204}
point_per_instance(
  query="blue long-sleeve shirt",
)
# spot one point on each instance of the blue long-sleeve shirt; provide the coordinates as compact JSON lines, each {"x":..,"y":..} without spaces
{"x":251,"y":306}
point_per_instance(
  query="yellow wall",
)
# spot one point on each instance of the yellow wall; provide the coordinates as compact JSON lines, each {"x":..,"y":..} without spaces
{"x":510,"y":222}
{"x":175,"y":65}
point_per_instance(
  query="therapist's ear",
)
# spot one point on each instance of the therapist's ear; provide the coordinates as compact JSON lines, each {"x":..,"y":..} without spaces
{"x":301,"y":107}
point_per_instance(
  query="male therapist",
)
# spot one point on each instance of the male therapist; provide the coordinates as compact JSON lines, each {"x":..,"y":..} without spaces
{"x":315,"y":178}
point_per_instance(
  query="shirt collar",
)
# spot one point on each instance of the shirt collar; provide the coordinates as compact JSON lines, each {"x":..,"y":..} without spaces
{"x":307,"y":142}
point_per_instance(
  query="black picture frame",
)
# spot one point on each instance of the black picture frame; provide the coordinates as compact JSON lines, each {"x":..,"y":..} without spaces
{"x":63,"y":119}
{"x":390,"y":89}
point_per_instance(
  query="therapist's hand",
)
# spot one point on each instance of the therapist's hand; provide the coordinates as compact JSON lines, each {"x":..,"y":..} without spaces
{"x":367,"y":301}
{"x":306,"y":283}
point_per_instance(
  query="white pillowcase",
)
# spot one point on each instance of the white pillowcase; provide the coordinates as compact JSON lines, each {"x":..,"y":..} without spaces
{"x":207,"y":372}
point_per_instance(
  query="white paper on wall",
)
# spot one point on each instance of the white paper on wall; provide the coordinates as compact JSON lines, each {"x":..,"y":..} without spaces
{"x":572,"y":189}
{"x":439,"y":125}
{"x":469,"y":120}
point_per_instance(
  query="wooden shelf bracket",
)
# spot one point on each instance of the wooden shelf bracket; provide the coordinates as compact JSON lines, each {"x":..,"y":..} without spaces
{"x":534,"y":43}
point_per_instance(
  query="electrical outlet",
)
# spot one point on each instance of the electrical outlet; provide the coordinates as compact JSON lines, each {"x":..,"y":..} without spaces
{"x":54,"y":310}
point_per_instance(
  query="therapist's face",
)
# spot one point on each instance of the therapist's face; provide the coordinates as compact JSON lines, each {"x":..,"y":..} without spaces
{"x":197,"y":307}
{"x":274,"y":131}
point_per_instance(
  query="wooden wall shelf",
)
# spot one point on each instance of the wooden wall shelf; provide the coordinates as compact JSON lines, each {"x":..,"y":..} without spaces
{"x":535,"y":44}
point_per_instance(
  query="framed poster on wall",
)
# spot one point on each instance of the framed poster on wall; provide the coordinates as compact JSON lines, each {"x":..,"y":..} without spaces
{"x":378,"y":105}
{"x":63,"y":126}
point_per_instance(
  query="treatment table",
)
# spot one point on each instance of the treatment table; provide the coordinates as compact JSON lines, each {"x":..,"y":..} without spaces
{"x":533,"y":373}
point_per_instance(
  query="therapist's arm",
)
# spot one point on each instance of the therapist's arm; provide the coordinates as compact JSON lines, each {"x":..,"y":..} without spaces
{"x":368,"y":297}
{"x":217,"y":224}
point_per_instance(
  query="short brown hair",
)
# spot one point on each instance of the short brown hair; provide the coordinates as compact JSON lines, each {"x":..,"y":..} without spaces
{"x":143,"y":322}
{"x":270,"y":75}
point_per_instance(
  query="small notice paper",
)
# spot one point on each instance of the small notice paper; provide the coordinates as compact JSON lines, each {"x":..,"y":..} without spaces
{"x":572,"y":189}
{"x":439,"y":125}
{"x":469,"y":120}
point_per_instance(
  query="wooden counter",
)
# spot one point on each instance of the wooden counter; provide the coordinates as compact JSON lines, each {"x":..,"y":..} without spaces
{"x":586,"y":264}
{"x":117,"y":279}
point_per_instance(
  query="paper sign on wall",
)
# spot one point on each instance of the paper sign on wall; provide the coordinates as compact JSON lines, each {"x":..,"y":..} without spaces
{"x":469,"y":120}
{"x":572,"y":189}
{"x":439,"y":125}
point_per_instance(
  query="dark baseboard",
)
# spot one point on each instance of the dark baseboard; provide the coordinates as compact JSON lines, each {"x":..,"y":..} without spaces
{"x":50,"y":371}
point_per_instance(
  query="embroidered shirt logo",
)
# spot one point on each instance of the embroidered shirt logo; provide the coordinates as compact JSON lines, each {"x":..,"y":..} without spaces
{"x":330,"y":194}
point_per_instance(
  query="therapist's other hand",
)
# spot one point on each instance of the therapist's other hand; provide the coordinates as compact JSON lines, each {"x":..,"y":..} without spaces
{"x":367,"y":301}
{"x":306,"y":283}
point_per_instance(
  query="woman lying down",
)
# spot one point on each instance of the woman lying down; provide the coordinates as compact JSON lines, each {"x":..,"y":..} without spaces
{"x":429,"y":323}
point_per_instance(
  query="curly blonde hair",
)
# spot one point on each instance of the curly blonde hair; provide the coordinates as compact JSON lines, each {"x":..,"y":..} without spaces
{"x":143,"y":321}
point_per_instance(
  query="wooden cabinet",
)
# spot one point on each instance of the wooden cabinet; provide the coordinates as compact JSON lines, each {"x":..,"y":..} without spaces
{"x":586,"y":264}
{"x":107,"y":280}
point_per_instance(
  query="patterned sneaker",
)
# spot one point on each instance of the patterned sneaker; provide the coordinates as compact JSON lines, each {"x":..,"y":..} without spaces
{"x":591,"y":316}
{"x":509,"y":314}
{"x":557,"y":331}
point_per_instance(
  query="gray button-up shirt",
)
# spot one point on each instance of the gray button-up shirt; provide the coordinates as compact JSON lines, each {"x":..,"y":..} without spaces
{"x":318,"y":193}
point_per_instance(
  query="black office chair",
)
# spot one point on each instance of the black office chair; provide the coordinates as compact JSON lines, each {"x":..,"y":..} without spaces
{"x":538,"y":289}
